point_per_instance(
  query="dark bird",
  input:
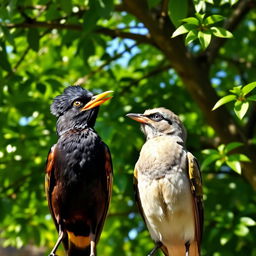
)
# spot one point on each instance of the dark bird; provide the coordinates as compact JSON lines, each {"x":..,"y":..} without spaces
{"x":168,"y":186}
{"x":78,"y":179}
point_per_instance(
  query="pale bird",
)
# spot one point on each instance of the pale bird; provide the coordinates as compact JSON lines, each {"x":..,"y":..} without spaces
{"x":168,"y":185}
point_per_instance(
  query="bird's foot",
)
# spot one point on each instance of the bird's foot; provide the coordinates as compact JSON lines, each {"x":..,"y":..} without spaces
{"x":153,"y":252}
{"x":52,"y":254}
{"x":92,"y":254}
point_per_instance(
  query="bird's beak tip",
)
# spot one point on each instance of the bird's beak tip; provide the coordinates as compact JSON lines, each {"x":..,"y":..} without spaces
{"x":97,"y":100}
{"x":137,"y":117}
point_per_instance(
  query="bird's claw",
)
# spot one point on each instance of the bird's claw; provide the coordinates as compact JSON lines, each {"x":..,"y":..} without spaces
{"x":52,"y":254}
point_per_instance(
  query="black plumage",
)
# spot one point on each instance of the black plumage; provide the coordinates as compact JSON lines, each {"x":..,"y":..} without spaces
{"x":78,"y":172}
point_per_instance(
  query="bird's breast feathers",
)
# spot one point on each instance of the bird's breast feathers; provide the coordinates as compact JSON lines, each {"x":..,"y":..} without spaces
{"x":164,"y":191}
{"x":160,"y":156}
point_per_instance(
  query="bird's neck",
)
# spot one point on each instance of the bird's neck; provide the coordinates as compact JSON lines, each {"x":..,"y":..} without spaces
{"x":65,"y":125}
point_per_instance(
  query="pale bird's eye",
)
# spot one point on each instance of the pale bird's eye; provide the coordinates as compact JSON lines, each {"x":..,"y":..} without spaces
{"x":156,"y":117}
{"x":77,"y":103}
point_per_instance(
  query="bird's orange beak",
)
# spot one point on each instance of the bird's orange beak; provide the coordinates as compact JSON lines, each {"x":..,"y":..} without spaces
{"x":139,"y":118}
{"x":97,"y":100}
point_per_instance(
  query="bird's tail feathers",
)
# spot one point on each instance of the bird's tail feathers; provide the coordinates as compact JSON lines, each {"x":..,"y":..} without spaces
{"x":193,"y":249}
{"x":78,"y":245}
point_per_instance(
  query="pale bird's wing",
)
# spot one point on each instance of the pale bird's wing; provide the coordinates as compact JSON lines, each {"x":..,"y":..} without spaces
{"x":197,"y":192}
{"x":138,"y":202}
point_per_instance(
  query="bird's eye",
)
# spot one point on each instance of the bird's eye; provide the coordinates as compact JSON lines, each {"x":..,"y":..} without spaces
{"x":156,"y":117}
{"x":77,"y":103}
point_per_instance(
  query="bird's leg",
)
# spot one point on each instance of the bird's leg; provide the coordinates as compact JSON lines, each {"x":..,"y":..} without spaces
{"x":187,"y":245}
{"x":61,"y":234}
{"x":93,"y":245}
{"x":158,"y":245}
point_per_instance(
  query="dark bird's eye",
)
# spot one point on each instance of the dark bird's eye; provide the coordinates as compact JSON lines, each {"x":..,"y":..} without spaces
{"x":156,"y":117}
{"x":77,"y":103}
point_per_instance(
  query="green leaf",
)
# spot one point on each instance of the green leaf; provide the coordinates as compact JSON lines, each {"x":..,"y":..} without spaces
{"x":185,"y":28}
{"x":33,"y":39}
{"x":241,"y":108}
{"x":191,"y":36}
{"x":200,"y":5}
{"x":229,"y":147}
{"x":239,"y":157}
{"x":204,"y":39}
{"x":234,"y":165}
{"x":213,"y":19}
{"x":192,"y":20}
{"x":251,"y":98}
{"x":210,"y":159}
{"x":7,"y":35}
{"x":200,"y":16}
{"x":248,"y":88}
{"x":241,"y":230}
{"x":221,"y":32}
{"x":232,"y":2}
{"x":178,"y":9}
{"x":221,"y":148}
{"x":247,"y":221}
{"x":4,"y":62}
{"x":209,"y":151}
{"x":224,"y":100}
{"x":66,"y":5}
{"x":236,"y":90}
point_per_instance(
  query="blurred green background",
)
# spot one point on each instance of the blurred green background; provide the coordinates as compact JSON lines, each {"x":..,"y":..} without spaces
{"x":126,"y":46}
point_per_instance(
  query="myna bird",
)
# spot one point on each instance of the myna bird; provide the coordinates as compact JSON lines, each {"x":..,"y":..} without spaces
{"x":168,"y":186}
{"x":78,"y":172}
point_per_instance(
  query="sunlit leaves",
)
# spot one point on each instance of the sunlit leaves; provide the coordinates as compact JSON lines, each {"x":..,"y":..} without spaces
{"x":65,"y":56}
{"x":201,"y":27}
{"x":239,"y":95}
{"x":222,"y":155}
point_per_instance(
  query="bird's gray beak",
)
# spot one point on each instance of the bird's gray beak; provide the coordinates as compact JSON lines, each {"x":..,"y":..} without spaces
{"x":139,"y":118}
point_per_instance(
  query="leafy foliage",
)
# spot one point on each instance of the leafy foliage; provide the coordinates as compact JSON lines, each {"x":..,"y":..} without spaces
{"x":127,"y":46}
{"x":221,"y":156}
{"x":202,"y":28}
{"x":241,"y":98}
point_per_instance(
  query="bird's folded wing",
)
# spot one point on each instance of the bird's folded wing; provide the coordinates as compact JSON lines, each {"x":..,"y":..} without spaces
{"x":197,"y":192}
{"x":50,"y":180}
{"x":109,"y":177}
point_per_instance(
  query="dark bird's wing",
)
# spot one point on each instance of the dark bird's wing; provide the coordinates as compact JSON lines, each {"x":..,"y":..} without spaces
{"x":50,"y":183}
{"x":109,"y":178}
{"x":138,"y":202}
{"x":197,"y":192}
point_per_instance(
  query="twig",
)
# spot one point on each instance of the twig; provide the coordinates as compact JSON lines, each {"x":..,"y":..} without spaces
{"x":154,"y":72}
{"x":164,"y":8}
{"x":106,"y":31}
{"x":238,"y":14}
{"x":83,"y":80}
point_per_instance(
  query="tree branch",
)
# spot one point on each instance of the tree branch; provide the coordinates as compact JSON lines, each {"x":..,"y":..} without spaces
{"x":164,"y":7}
{"x":83,"y":80}
{"x":238,"y":14}
{"x":106,"y":31}
{"x":153,"y":72}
